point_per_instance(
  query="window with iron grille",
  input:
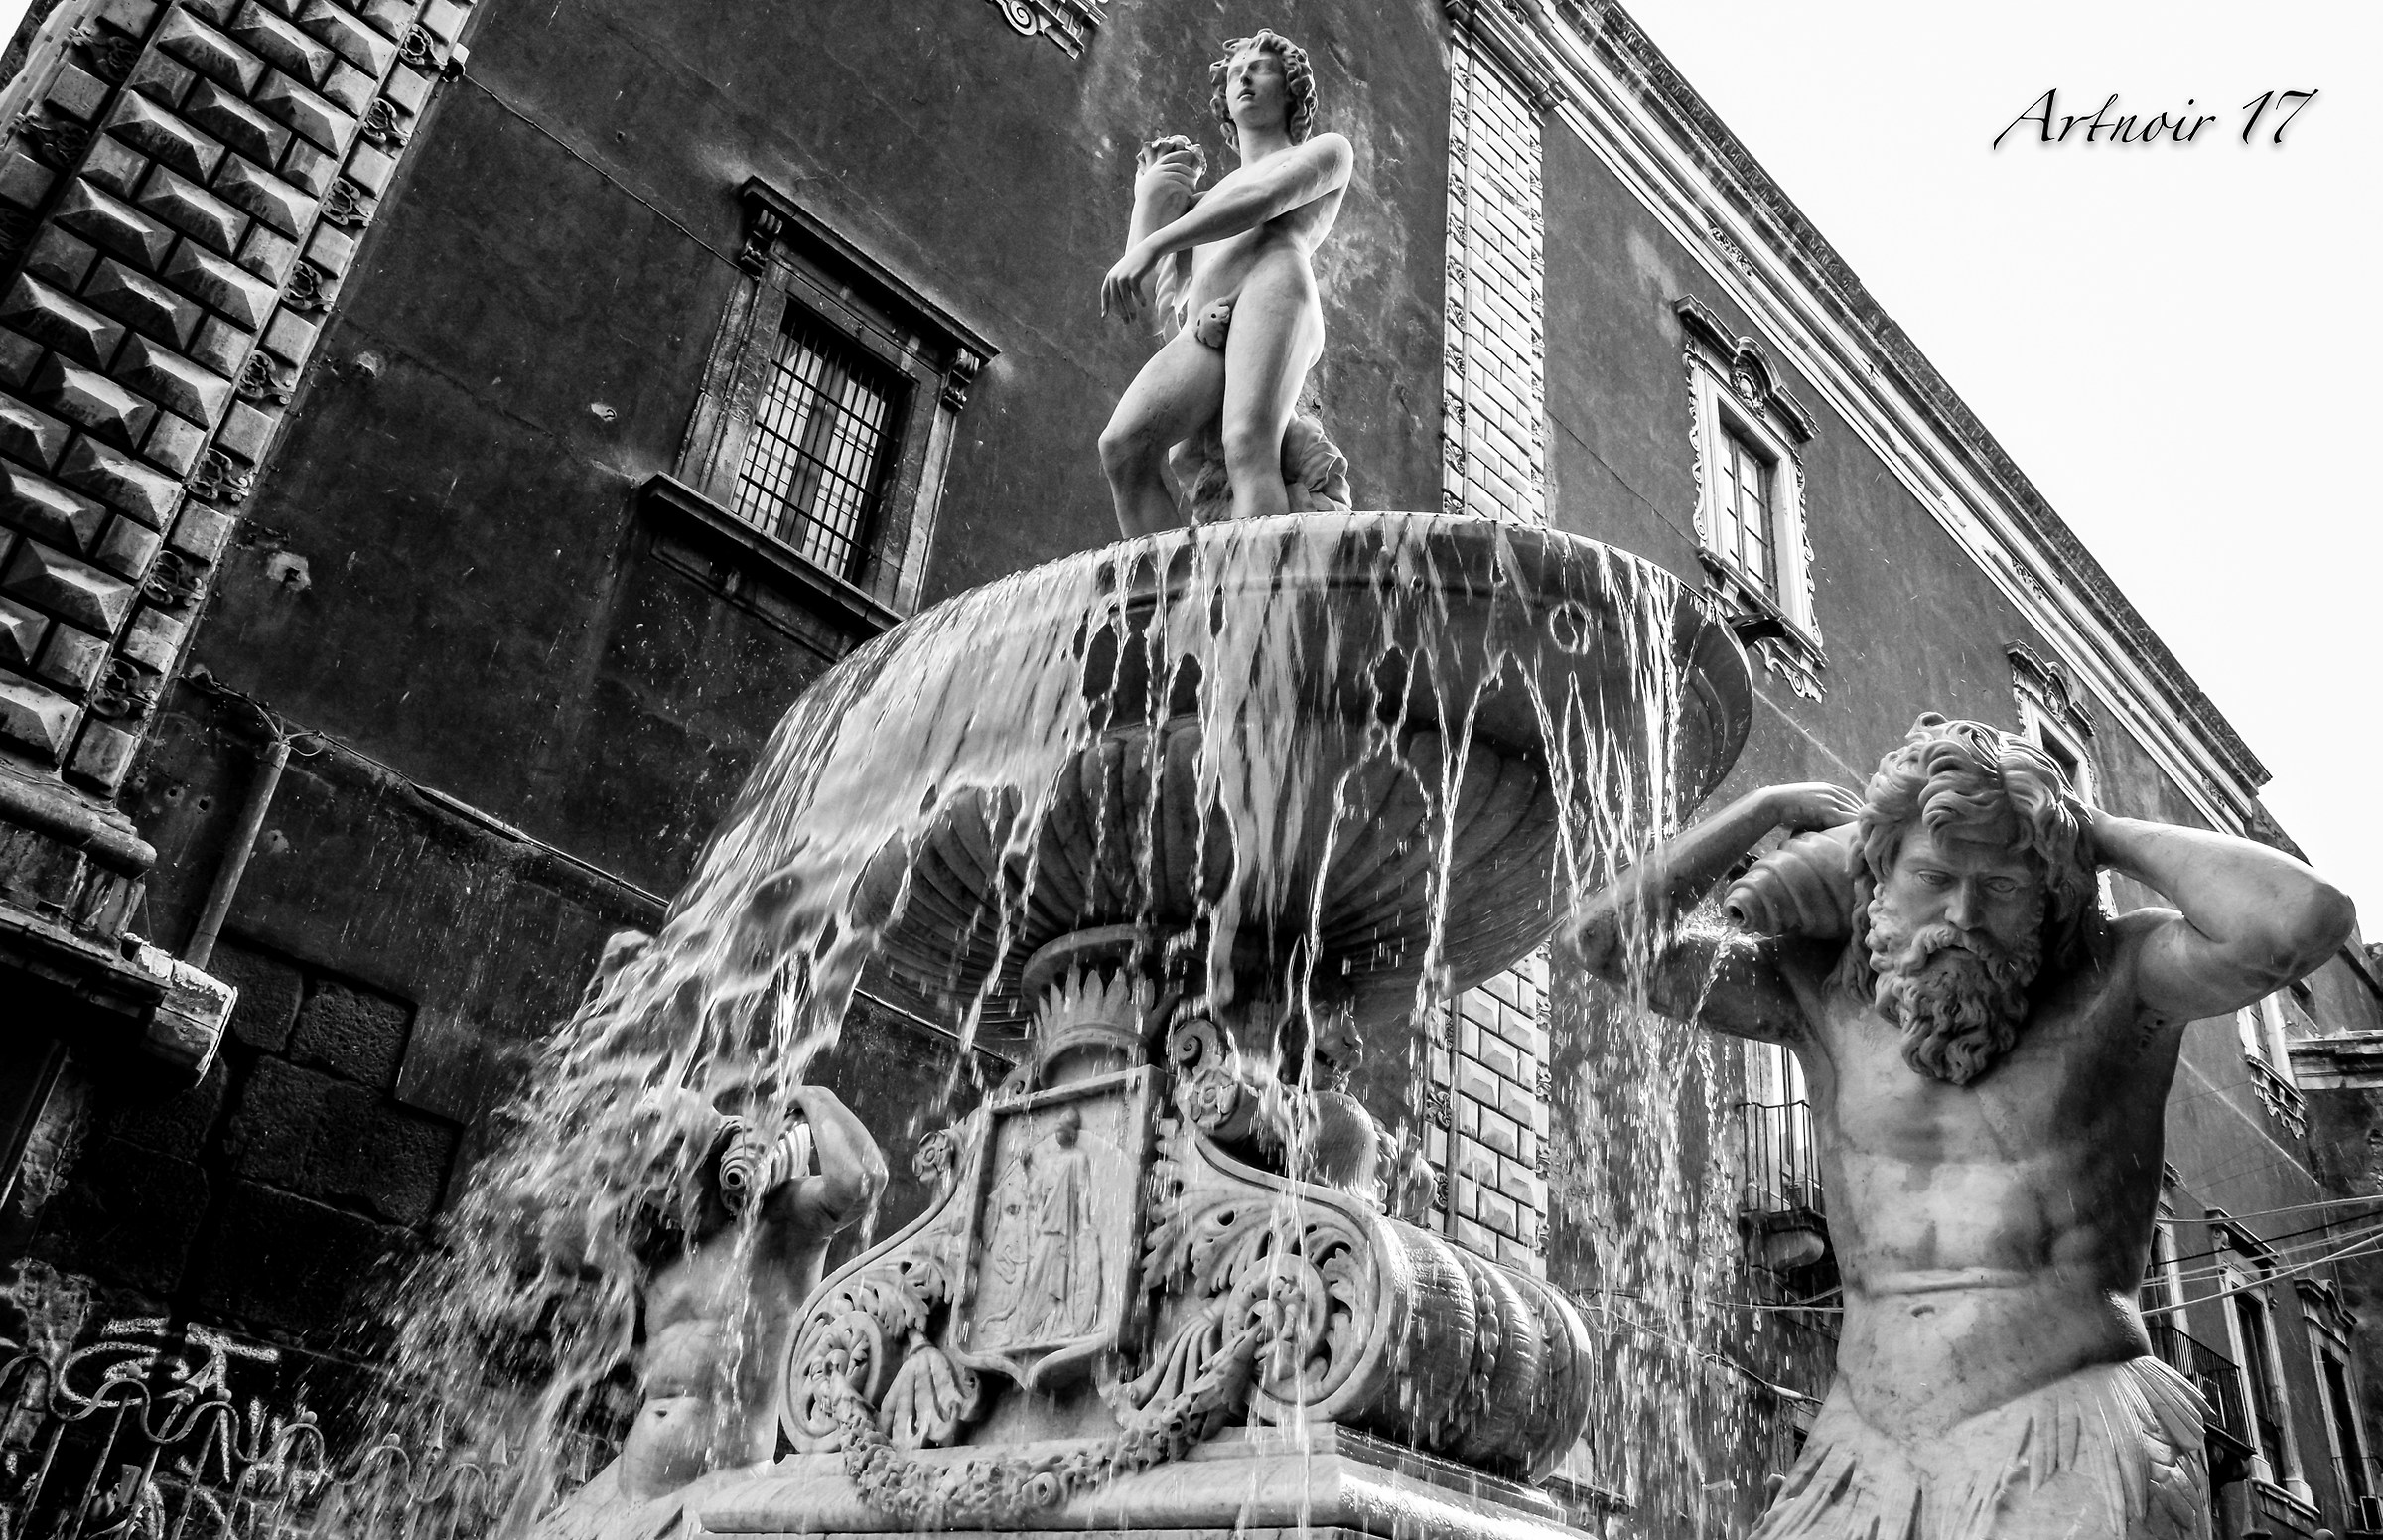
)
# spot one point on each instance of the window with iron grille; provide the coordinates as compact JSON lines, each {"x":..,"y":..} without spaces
{"x":816,"y":455}
{"x":816,"y":450}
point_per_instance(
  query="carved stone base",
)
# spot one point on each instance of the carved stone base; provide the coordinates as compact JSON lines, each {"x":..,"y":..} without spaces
{"x":1244,"y":1482}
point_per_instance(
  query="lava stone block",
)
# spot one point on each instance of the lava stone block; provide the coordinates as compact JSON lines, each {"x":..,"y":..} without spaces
{"x":127,"y":1218}
{"x":352,"y":1033}
{"x":270,"y":990}
{"x":282,"y":1262}
{"x":176,"y":1124}
{"x":331,"y":1140}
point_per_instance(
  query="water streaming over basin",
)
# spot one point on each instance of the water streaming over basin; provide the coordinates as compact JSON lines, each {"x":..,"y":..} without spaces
{"x":1350,"y":764}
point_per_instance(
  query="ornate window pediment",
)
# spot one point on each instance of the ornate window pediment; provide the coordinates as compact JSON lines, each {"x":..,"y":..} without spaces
{"x":1068,"y":23}
{"x":1748,"y":432}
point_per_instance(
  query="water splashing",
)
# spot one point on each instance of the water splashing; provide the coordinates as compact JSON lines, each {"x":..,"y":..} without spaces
{"x":1313,"y":774}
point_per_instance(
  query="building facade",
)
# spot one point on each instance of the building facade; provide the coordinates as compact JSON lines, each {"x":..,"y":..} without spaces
{"x":442,"y":439}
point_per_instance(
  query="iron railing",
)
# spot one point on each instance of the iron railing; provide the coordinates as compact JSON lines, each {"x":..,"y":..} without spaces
{"x":1781,"y":1161}
{"x":2216,"y":1376}
{"x":139,"y":1435}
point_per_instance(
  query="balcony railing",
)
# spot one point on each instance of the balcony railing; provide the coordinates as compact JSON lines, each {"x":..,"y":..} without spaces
{"x":1780,"y":1209}
{"x":2219,"y":1380}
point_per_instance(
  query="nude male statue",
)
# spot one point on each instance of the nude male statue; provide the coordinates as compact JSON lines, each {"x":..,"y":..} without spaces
{"x":804,"y":1169}
{"x":1989,"y":1057}
{"x":1234,"y":371}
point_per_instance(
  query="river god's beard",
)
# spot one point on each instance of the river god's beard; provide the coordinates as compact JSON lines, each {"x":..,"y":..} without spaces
{"x":1960,"y":997}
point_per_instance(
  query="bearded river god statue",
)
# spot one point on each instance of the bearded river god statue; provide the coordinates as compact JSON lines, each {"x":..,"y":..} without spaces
{"x":1989,"y":1055}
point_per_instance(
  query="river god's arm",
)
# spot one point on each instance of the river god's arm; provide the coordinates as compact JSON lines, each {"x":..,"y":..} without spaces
{"x":2252,"y":919}
{"x":1726,"y":980}
{"x":852,"y":1170}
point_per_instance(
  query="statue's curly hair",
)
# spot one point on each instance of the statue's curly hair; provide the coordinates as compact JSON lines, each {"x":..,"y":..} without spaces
{"x":1948,"y":774}
{"x":1298,"y":83}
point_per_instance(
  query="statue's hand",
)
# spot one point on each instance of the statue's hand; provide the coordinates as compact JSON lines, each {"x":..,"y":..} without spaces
{"x":1121,"y":292}
{"x":1173,"y":165}
{"x":1812,"y":804}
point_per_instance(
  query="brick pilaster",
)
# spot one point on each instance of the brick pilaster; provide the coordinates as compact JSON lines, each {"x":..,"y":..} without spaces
{"x":1493,"y":438}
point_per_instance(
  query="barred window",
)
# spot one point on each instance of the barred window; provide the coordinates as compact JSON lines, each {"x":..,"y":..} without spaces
{"x":817,"y":447}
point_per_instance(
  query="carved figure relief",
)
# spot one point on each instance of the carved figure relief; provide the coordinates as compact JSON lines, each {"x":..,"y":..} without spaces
{"x":1052,"y":1229}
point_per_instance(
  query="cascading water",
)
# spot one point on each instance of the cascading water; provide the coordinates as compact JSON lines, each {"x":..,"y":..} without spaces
{"x":1305,"y":772}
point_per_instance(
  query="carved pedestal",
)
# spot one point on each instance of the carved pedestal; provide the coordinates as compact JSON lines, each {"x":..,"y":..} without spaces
{"x":1158,"y":1291}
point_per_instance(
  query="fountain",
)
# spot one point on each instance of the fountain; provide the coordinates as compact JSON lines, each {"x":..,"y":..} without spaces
{"x":1180,"y":827}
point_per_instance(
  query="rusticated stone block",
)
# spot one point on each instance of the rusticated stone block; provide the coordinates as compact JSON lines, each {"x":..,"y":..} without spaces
{"x":127,"y":1218}
{"x":192,"y":210}
{"x":355,"y":1032}
{"x":245,"y":433}
{"x":25,"y":181}
{"x":156,"y":635}
{"x":72,"y":327}
{"x":102,"y":755}
{"x":173,"y":381}
{"x":287,"y":101}
{"x":339,"y":1142}
{"x":388,"y":17}
{"x":209,"y":52}
{"x":347,"y":35}
{"x":201,"y":532}
{"x":67,"y":587}
{"x":351,"y":89}
{"x":264,"y":195}
{"x":332,"y":250}
{"x":408,"y":87}
{"x":221,"y":284}
{"x":287,"y":1263}
{"x":156,"y":132}
{"x":19,"y":355}
{"x":21,"y":628}
{"x":31,"y":436}
{"x":292,"y":335}
{"x":35,"y":717}
{"x":113,"y":165}
{"x":268,"y":253}
{"x":77,"y":92}
{"x":306,"y":167}
{"x":127,"y":550}
{"x":369,"y":169}
{"x":161,"y":78}
{"x":444,"y":19}
{"x":277,"y":42}
{"x":270,"y":991}
{"x":72,"y":658}
{"x":115,"y":225}
{"x":130,"y":486}
{"x":92,"y":402}
{"x":39,"y":507}
{"x":222,"y":347}
{"x":60,"y":258}
{"x":236,"y":123}
{"x":129,"y":17}
{"x":142,"y":302}
{"x":175,"y":444}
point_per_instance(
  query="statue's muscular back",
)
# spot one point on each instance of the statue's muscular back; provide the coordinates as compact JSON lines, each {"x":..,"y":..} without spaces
{"x":1990,"y":1236}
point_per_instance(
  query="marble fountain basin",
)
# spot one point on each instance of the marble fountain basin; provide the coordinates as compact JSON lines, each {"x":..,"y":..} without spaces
{"x":1358,"y":748}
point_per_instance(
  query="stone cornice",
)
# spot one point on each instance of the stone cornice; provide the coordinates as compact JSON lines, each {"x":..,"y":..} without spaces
{"x":1530,"y":29}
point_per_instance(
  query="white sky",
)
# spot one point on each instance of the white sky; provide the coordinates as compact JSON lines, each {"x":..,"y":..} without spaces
{"x":2178,"y":343}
